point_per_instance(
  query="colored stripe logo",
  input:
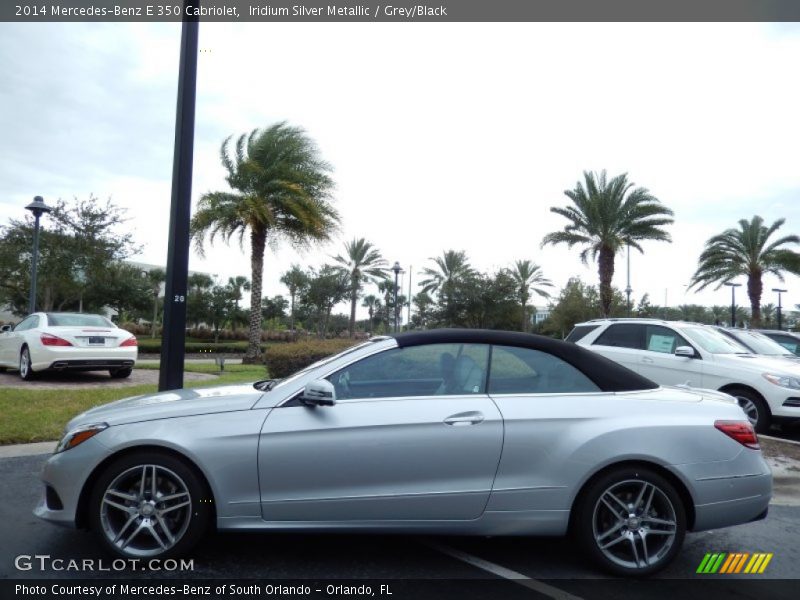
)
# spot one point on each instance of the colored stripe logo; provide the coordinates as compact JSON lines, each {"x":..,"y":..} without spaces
{"x":734,"y":562}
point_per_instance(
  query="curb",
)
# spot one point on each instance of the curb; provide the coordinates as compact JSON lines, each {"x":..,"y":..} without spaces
{"x":776,"y":439}
{"x":17,"y":450}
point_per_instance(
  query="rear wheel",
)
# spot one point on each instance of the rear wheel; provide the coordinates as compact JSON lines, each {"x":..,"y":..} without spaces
{"x":631,"y":521}
{"x":149,"y":505}
{"x":120,"y":373}
{"x":754,"y":407}
{"x":25,"y":368}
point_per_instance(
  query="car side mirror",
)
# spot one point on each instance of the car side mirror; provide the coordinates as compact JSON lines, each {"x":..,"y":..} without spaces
{"x":5,"y":328}
{"x":686,"y":351}
{"x":319,"y":392}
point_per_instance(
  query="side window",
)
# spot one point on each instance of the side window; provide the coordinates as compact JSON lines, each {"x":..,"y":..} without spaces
{"x":580,"y":332}
{"x":662,"y":339}
{"x":787,"y":342}
{"x":623,"y":335}
{"x":427,"y":370}
{"x":526,"y":371}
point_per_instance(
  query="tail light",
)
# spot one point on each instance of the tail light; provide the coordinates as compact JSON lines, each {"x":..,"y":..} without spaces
{"x":131,"y":341}
{"x":741,"y":431}
{"x":54,"y":340}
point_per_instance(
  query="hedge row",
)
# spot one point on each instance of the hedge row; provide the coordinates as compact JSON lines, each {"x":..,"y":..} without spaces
{"x":151,"y":346}
{"x":284,"y":359}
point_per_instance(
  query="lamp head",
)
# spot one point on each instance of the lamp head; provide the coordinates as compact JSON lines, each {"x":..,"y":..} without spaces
{"x":38,"y":207}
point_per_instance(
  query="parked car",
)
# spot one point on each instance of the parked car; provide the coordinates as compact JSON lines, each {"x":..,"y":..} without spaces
{"x":67,"y":341}
{"x":756,"y":342}
{"x":435,"y":432}
{"x":680,"y":353}
{"x":788,"y":339}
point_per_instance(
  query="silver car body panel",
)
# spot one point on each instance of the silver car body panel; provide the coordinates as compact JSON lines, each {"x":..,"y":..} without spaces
{"x":512,"y":465}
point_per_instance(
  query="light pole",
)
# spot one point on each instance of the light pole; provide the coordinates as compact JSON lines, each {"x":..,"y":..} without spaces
{"x":779,"y":305}
{"x":628,"y":289}
{"x":733,"y":287}
{"x":38,"y":208}
{"x":396,"y":268}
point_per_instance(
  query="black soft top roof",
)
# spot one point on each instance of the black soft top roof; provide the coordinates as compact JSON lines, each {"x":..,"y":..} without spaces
{"x":606,"y":374}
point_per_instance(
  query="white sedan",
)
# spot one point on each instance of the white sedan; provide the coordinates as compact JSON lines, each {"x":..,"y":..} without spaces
{"x":67,"y":341}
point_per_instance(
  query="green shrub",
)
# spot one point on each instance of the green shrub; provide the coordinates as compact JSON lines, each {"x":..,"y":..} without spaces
{"x":153,"y":346}
{"x":284,"y":359}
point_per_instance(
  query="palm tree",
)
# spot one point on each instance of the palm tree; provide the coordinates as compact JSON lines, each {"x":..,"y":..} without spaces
{"x":450,"y":268}
{"x":528,"y":276}
{"x":156,"y":277}
{"x":371,"y":303}
{"x":362,"y":263}
{"x":747,"y":252}
{"x":606,"y":217}
{"x":296,"y":280}
{"x":281,"y":193}
{"x":237,"y":285}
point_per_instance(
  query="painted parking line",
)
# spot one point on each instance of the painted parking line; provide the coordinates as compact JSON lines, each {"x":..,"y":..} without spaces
{"x":505,"y":573}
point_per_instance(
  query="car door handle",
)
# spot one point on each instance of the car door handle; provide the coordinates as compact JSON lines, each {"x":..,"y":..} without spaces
{"x":645,"y":359}
{"x":467,"y":418}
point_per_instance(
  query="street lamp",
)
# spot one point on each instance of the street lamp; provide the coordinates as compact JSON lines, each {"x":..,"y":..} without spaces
{"x":628,"y":289}
{"x":779,"y":304}
{"x":38,"y":208}
{"x":396,"y":268}
{"x":733,"y":287}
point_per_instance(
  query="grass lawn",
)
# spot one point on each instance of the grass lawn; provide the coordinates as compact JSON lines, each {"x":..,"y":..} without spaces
{"x":40,"y":415}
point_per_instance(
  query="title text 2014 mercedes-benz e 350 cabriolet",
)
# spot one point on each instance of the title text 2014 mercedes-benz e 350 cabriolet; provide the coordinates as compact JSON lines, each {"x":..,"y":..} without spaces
{"x":444,"y":431}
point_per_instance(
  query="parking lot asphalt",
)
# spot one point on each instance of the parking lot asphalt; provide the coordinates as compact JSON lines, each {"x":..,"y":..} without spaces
{"x":550,"y":562}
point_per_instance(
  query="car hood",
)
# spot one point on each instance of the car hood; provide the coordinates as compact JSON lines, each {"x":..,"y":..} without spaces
{"x":757,"y":362}
{"x":175,"y":403}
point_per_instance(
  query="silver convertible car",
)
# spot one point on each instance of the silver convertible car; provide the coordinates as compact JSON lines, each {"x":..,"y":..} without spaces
{"x":445,"y":431}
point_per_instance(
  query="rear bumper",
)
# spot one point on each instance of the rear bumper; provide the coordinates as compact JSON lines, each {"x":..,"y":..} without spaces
{"x":91,"y":364}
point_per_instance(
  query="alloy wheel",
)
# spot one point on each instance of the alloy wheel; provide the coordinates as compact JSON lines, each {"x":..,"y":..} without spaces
{"x":24,"y":363}
{"x":634,"y":524}
{"x":145,"y":510}
{"x":750,"y":409}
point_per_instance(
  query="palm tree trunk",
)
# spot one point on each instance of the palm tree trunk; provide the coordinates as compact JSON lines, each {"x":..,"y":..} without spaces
{"x":754,"y":290}
{"x":291,"y":319}
{"x":257,"y":244}
{"x":524,"y":299}
{"x":353,"y":299}
{"x":155,"y":315}
{"x":606,"y":272}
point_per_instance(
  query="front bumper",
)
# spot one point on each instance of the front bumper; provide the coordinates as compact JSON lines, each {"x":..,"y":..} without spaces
{"x":66,"y":473}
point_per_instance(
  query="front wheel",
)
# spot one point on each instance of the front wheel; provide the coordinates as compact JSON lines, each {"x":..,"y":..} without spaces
{"x":754,"y":408}
{"x":25,"y":368}
{"x":631,"y":521}
{"x":149,"y":505}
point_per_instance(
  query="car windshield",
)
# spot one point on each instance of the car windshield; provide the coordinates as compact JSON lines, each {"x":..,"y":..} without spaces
{"x":77,"y":320}
{"x":319,"y":363}
{"x":761,"y":344}
{"x":713,"y":341}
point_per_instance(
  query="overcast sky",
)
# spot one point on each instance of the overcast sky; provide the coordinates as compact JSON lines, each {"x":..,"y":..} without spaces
{"x":442,"y":136}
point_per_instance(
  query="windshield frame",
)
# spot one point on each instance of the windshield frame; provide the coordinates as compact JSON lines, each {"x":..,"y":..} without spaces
{"x":705,"y":336}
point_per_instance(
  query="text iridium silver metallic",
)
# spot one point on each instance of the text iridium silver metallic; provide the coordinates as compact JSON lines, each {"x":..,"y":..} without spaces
{"x":403,"y":451}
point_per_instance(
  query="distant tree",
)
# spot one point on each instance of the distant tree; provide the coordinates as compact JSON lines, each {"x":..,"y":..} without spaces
{"x":747,"y":252}
{"x":296,"y":280}
{"x":605,"y":217}
{"x":370,"y":302}
{"x":578,"y":302}
{"x":528,"y":277}
{"x":282,"y":191}
{"x":362,"y":263}
{"x":124,"y":289}
{"x":327,"y":287}
{"x":423,"y":305}
{"x":219,"y":307}
{"x":768,"y":315}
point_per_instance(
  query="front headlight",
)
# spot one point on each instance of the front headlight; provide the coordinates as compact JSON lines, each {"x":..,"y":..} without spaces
{"x":79,"y":435}
{"x":786,"y":381}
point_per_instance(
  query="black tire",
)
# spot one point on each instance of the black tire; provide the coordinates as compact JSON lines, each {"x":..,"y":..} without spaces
{"x":754,"y":407}
{"x":120,"y":373}
{"x":196,"y":515}
{"x":25,"y":368}
{"x":665,"y":505}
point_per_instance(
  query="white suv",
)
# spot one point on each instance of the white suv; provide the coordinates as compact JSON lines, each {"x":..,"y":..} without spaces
{"x":679,"y":353}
